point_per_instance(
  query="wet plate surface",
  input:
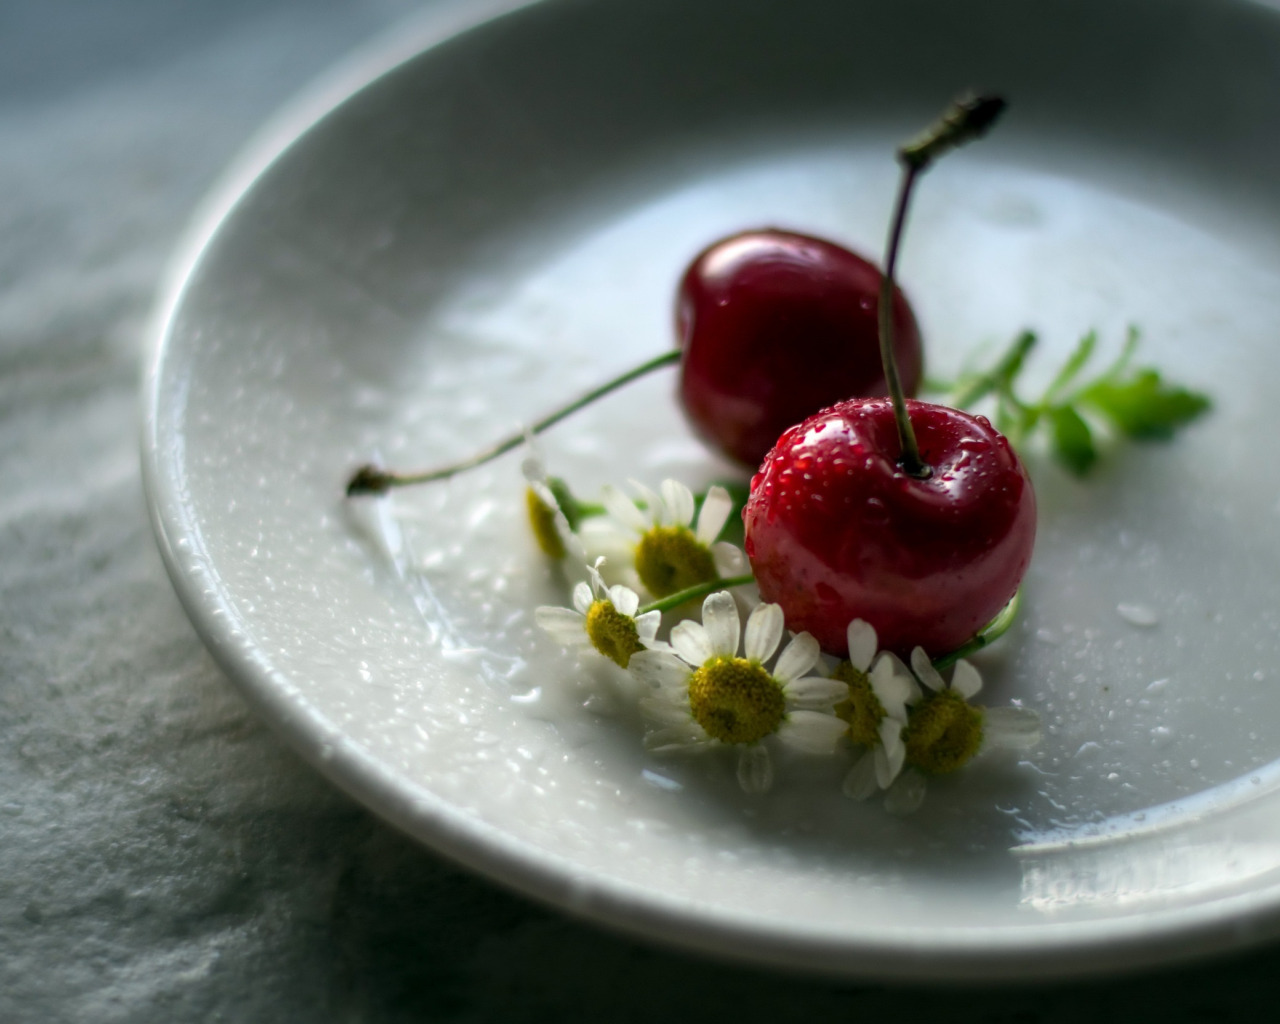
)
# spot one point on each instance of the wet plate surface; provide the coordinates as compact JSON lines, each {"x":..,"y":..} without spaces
{"x":499,"y":221}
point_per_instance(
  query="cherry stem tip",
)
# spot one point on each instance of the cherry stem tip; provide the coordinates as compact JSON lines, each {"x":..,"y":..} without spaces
{"x":968,"y":118}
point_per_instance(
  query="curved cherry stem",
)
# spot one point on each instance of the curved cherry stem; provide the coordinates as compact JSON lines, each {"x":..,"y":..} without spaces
{"x":665,"y":604}
{"x":372,"y":479}
{"x":968,"y":118}
{"x":910,"y":459}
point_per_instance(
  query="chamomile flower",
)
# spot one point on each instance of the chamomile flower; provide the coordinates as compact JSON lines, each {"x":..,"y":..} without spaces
{"x":550,"y":526}
{"x":945,"y":731}
{"x":880,"y":693}
{"x":603,"y":618}
{"x":705,"y":694}
{"x":671,"y":547}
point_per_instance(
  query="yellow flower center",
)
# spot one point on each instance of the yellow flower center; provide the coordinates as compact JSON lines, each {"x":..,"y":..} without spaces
{"x":670,"y":559}
{"x":613,"y":634}
{"x":863,"y":710}
{"x":943,"y":733}
{"x":736,"y":700}
{"x":542,"y":519}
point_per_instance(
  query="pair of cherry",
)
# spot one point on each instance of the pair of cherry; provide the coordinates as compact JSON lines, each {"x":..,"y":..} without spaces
{"x":782,"y":369}
{"x":917,"y":518}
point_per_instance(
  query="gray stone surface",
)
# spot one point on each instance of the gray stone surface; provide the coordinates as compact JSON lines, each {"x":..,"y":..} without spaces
{"x":162,"y":856}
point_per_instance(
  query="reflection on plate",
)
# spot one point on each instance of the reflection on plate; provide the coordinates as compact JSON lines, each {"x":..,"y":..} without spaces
{"x":499,"y":221}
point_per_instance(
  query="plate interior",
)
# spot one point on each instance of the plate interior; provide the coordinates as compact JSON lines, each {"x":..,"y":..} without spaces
{"x":498,"y":224}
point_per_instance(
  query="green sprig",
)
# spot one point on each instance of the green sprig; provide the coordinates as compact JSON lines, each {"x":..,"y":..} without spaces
{"x":1134,"y":403}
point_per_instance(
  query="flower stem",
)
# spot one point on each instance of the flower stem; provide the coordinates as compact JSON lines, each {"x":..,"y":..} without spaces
{"x":665,"y":604}
{"x":966,"y":119}
{"x":372,"y":479}
{"x":992,"y":632}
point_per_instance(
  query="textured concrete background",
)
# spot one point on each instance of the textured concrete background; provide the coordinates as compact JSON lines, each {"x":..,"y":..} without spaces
{"x":162,"y":856}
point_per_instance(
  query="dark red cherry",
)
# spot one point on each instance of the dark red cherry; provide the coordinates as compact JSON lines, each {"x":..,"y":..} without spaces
{"x":836,"y":530}
{"x":776,"y":325}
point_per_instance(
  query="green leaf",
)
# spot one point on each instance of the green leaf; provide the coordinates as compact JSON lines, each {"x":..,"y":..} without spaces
{"x":1072,"y":440}
{"x":1144,"y":406}
{"x":1072,"y":366}
{"x":1001,"y":376}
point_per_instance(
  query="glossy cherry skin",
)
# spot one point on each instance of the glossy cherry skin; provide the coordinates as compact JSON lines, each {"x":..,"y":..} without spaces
{"x":835,"y":530}
{"x":775,"y":326}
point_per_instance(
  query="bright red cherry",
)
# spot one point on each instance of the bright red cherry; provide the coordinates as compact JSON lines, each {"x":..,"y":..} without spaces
{"x":837,"y":530}
{"x":776,"y":325}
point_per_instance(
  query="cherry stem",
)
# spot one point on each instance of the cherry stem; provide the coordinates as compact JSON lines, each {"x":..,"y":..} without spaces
{"x":992,"y":632}
{"x":665,"y":604}
{"x":910,"y":459}
{"x":372,"y":479}
{"x":968,"y":118}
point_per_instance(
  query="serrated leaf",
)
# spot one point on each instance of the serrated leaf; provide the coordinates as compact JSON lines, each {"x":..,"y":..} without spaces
{"x":1144,"y":406}
{"x":1072,"y":440}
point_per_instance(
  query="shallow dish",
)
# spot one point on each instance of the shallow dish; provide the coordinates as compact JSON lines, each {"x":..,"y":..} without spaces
{"x":432,"y":248}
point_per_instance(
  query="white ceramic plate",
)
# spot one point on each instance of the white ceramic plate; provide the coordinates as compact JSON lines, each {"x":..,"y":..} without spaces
{"x":468,"y":235}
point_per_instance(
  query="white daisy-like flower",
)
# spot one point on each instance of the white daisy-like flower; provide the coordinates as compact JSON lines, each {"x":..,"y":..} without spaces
{"x":945,"y":731}
{"x":705,"y":694}
{"x":550,"y":526}
{"x":670,"y":547}
{"x":880,"y":692}
{"x":602,"y":618}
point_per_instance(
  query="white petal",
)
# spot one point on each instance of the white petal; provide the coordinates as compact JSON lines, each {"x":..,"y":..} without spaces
{"x":720,"y":619}
{"x":714,"y":513}
{"x":1010,"y":728}
{"x":755,"y":769}
{"x":729,"y":559}
{"x":860,"y":783}
{"x":797,"y":658}
{"x":610,"y":541}
{"x":965,"y":679}
{"x":862,"y":644}
{"x":689,"y":638}
{"x":624,"y":599}
{"x":562,"y":625}
{"x":764,"y":630}
{"x":583,"y":599}
{"x":906,"y":795}
{"x":664,"y":713}
{"x":597,"y":581}
{"x":659,"y":669}
{"x":535,"y":473}
{"x":816,"y":693}
{"x":623,"y":509}
{"x":894,"y":691}
{"x":647,"y":627}
{"x":924,"y":670}
{"x":657,"y":508}
{"x":678,"y":500}
{"x":812,"y":731}
{"x":891,"y":755}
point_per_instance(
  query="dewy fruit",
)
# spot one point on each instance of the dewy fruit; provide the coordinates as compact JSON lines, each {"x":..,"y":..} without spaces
{"x":837,"y":530}
{"x":776,"y":325}
{"x":917,"y":518}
